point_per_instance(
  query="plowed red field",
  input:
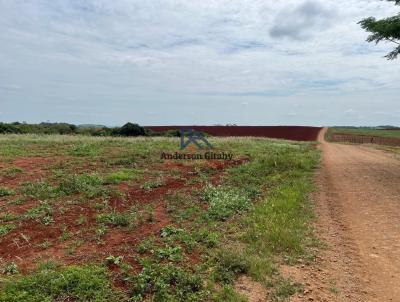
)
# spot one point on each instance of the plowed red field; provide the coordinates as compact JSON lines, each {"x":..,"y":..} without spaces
{"x":297,"y":133}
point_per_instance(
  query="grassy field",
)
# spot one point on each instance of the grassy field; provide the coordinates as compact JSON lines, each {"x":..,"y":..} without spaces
{"x":104,"y":219}
{"x":366,"y":131}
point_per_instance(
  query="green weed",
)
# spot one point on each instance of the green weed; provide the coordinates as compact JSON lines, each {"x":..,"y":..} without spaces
{"x":10,"y":268}
{"x":152,"y":184}
{"x":115,"y":219}
{"x":167,"y":282}
{"x":6,"y":192}
{"x":41,"y":190}
{"x":122,"y":175}
{"x":228,"y":294}
{"x":6,"y":228}
{"x":228,"y":265}
{"x":89,"y":184}
{"x":83,"y":284}
{"x":224,"y":202}
{"x":43,"y":213}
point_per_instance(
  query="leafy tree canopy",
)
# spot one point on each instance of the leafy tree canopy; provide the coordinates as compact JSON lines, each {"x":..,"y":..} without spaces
{"x":387,"y":29}
{"x":130,"y":129}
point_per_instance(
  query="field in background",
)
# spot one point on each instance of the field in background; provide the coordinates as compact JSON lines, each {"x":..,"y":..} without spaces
{"x":367,"y":132}
{"x":364,"y":136}
{"x":104,"y":219}
{"x":297,"y":133}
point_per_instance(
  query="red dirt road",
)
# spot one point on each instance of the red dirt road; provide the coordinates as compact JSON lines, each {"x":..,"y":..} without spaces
{"x":358,"y":208}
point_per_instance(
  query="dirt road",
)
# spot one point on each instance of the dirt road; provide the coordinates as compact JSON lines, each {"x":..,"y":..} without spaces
{"x":358,"y":208}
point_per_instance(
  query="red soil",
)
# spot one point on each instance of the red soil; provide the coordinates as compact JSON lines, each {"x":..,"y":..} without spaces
{"x":297,"y":133}
{"x":22,"y":244}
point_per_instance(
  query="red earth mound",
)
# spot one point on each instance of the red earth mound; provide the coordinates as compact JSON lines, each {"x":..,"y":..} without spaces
{"x":297,"y":133}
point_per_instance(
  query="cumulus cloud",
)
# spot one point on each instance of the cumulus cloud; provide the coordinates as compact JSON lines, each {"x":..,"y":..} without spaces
{"x":303,"y":20}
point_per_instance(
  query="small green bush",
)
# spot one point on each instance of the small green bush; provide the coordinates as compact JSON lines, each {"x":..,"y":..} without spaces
{"x":206,"y":237}
{"x":167,"y":282}
{"x":228,"y":294}
{"x":83,"y":284}
{"x":173,"y":253}
{"x":43,"y":213}
{"x":6,"y":192}
{"x":229,"y":264}
{"x":115,"y":219}
{"x":121,"y":175}
{"x":5,"y":228}
{"x":85,"y":149}
{"x":41,"y":190}
{"x":85,"y":183}
{"x":152,"y":184}
{"x":10,"y":268}
{"x":224,"y":202}
{"x":169,"y":231}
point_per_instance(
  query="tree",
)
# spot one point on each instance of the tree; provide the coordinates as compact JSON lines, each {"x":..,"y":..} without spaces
{"x":387,"y":29}
{"x":130,"y":129}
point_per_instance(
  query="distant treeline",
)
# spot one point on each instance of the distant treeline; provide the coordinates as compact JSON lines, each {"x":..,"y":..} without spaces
{"x":129,"y":129}
{"x":381,"y":127}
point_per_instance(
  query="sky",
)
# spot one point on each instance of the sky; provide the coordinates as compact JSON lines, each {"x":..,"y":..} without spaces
{"x":197,"y":62}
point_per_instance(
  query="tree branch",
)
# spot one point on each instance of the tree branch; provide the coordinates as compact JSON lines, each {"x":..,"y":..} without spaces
{"x":391,"y":40}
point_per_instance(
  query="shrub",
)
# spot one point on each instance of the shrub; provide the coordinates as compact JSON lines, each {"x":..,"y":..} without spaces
{"x":228,"y":294}
{"x":224,"y":202}
{"x":85,"y":149}
{"x":173,"y":253}
{"x":88,"y":283}
{"x":130,"y":129}
{"x":85,"y":183}
{"x":10,"y":269}
{"x":167,"y":282}
{"x":40,"y":190}
{"x":4,"y":229}
{"x":121,"y":175}
{"x":6,"y":192}
{"x":114,"y":218}
{"x":43,"y":213}
{"x":169,"y":231}
{"x":152,"y":184}
{"x":229,"y":264}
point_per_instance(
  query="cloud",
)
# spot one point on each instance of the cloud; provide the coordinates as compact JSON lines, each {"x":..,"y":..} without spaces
{"x":10,"y":87}
{"x":302,"y":21}
{"x":350,"y":111}
{"x":122,"y":59}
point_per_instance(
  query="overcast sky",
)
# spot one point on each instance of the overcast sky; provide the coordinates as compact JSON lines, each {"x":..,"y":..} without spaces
{"x":249,"y":62}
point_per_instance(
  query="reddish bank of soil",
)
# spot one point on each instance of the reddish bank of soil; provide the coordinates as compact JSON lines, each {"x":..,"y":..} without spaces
{"x":297,"y":133}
